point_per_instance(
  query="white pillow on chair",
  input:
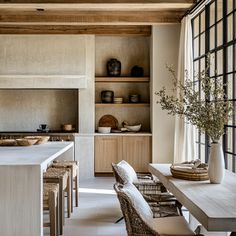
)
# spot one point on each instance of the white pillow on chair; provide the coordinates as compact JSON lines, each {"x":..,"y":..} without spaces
{"x":138,"y":201}
{"x":127,"y":172}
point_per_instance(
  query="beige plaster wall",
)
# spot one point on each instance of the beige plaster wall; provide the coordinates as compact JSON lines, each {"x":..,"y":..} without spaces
{"x":42,"y":54}
{"x":130,"y":51}
{"x":24,"y":110}
{"x":165,"y":45}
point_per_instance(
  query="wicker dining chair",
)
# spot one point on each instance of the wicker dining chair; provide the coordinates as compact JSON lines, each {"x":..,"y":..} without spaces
{"x":152,"y":189}
{"x":140,"y":219}
{"x":145,"y":183}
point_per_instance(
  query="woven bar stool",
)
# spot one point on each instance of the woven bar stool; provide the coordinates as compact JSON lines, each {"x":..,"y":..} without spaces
{"x":62,"y":177}
{"x":74,"y":167}
{"x":51,"y":204}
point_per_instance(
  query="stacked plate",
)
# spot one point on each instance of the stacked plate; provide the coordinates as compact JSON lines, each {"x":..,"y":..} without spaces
{"x":118,"y":100}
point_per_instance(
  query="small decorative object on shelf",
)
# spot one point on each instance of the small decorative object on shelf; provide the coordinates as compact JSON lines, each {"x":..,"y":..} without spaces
{"x":107,"y":96}
{"x":108,"y":121}
{"x":137,"y":71}
{"x":134,"y":98}
{"x":104,"y":130}
{"x":43,"y":128}
{"x":207,"y":115}
{"x":118,"y":100}
{"x":131,"y":128}
{"x":67,"y":127}
{"x":113,"y":67}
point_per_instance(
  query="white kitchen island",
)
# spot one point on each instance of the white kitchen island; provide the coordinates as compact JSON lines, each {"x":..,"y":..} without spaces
{"x":21,"y":185}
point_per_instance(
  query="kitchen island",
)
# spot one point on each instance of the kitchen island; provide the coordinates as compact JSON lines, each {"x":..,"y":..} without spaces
{"x":21,"y":185}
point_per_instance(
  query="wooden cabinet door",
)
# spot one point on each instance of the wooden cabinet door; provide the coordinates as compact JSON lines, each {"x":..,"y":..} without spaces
{"x":107,"y":150}
{"x":137,"y":152}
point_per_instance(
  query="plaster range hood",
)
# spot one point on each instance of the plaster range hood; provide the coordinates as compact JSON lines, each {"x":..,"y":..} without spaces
{"x":43,"y":81}
{"x":43,"y":61}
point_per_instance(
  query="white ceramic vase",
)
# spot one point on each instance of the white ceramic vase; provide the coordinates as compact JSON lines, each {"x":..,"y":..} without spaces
{"x":216,"y":162}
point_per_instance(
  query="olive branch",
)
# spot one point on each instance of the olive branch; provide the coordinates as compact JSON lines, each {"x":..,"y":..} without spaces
{"x":208,"y":113}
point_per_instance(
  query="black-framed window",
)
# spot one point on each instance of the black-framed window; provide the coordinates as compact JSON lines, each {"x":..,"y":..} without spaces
{"x":214,"y":32}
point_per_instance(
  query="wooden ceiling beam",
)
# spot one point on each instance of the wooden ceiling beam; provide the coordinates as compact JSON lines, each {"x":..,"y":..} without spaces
{"x":90,"y":18}
{"x":100,"y":1}
{"x":96,"y":5}
{"x":80,"y":29}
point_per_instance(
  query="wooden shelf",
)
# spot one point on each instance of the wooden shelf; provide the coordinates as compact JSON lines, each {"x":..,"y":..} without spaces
{"x":122,"y":79}
{"x":100,"y":105}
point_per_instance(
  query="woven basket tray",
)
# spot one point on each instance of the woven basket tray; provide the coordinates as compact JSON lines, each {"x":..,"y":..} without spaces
{"x":194,"y":175}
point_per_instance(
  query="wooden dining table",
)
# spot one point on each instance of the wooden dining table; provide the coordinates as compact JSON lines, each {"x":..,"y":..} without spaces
{"x":213,"y":205}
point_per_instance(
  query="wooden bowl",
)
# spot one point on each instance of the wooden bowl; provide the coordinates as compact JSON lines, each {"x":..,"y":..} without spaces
{"x":26,"y":141}
{"x":7,"y":142}
{"x":40,"y":139}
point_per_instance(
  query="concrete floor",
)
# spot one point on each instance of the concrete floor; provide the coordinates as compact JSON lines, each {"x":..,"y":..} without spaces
{"x":98,"y":210}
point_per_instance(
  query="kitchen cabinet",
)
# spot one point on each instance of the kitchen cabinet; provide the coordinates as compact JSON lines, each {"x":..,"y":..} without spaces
{"x":113,"y":148}
{"x":135,"y":148}
{"x":137,"y":151}
{"x":107,"y":150}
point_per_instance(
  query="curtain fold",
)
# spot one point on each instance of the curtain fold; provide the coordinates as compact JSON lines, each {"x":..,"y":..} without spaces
{"x":184,"y":143}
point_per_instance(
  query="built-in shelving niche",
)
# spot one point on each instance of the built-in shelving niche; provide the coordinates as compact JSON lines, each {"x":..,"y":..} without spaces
{"x":130,"y":51}
{"x":25,"y":109}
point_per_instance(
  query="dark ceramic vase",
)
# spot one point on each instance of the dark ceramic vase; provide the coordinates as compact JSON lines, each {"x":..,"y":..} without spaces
{"x":137,"y":71}
{"x":113,"y":67}
{"x":107,"y":96}
{"x":134,"y":98}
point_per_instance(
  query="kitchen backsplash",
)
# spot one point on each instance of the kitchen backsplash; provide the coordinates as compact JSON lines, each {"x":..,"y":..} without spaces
{"x":24,"y":110}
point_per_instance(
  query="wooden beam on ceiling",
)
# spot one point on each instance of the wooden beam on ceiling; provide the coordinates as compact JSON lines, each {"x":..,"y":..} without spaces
{"x":95,"y":5}
{"x":99,"y":1}
{"x":89,"y":18}
{"x":79,"y":29}
{"x":58,"y":15}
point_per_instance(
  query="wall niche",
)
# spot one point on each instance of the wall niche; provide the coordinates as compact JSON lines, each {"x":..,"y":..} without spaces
{"x":24,"y":110}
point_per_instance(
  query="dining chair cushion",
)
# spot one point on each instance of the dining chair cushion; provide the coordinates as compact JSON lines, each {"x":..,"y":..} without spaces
{"x":137,"y":200}
{"x":175,"y":226}
{"x":127,"y":172}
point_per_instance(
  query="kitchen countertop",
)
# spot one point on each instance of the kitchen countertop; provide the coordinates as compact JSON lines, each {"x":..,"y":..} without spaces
{"x":21,"y":185}
{"x":53,"y":132}
{"x":33,"y":155}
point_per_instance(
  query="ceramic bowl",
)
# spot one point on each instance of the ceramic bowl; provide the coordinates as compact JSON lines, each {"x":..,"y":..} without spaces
{"x":133,"y":128}
{"x":104,"y":130}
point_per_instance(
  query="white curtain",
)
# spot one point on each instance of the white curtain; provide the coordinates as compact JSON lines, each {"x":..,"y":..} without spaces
{"x":184,"y":144}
